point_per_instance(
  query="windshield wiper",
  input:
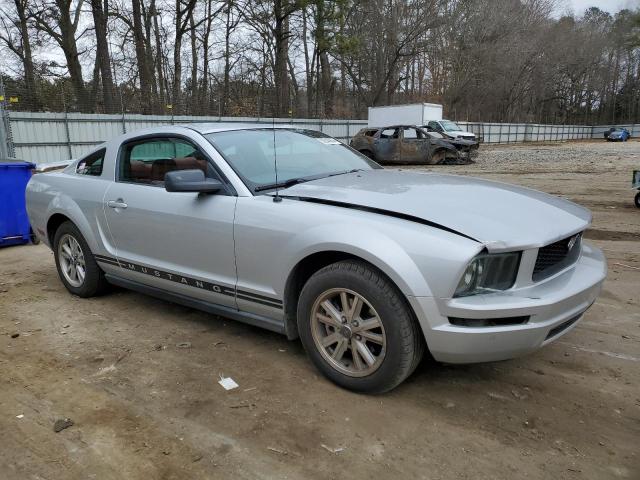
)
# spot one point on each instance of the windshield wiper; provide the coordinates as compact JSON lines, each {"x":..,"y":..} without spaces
{"x":295,"y":181}
{"x":286,"y":184}
{"x":345,"y":172}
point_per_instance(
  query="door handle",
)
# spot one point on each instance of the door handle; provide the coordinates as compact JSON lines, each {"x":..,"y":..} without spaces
{"x":116,"y":204}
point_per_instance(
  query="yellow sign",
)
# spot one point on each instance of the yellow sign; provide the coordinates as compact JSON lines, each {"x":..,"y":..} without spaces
{"x":1,"y":98}
{"x":13,"y":99}
{"x":169,"y":107}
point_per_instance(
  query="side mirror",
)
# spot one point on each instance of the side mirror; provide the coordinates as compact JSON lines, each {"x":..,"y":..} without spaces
{"x":190,"y":181}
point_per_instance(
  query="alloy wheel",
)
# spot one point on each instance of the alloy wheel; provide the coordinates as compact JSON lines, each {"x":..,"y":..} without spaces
{"x":348,"y":332}
{"x":71,"y":258}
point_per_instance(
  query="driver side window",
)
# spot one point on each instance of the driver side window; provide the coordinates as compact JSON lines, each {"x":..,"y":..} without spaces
{"x":389,"y":133}
{"x":148,"y":161}
{"x":411,"y":133}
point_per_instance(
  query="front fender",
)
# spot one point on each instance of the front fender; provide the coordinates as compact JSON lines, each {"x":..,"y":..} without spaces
{"x":370,"y":244}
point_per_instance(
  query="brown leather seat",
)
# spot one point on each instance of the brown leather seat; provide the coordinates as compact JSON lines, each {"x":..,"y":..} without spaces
{"x":191,"y":163}
{"x":139,"y":171}
{"x":160,"y":167}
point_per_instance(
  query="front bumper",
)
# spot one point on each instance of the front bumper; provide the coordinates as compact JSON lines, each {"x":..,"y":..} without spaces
{"x":554,"y":306}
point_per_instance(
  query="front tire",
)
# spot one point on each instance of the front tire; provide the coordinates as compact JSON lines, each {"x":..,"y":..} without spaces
{"x":357,"y":328}
{"x":76,"y":265}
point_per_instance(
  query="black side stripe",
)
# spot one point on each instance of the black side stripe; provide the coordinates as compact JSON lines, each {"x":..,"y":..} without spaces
{"x":192,"y":282}
{"x":110,"y":261}
{"x":273,"y":303}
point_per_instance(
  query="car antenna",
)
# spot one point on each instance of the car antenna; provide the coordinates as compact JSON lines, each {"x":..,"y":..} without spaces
{"x":277,"y":198}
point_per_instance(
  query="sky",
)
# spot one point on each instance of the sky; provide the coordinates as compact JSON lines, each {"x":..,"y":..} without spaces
{"x":579,"y":6}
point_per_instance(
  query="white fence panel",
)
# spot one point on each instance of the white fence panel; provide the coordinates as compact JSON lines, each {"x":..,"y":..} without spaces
{"x":48,"y":137}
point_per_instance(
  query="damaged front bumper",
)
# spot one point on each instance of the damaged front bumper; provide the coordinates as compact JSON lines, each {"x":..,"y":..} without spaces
{"x":515,"y":322}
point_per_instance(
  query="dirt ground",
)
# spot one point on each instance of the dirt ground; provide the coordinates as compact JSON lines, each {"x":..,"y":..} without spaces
{"x":145,"y":407}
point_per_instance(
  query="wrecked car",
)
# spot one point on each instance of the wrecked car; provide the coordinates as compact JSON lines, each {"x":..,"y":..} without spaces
{"x":293,"y":231}
{"x":467,"y":148}
{"x":617,"y":134}
{"x":404,"y":144}
{"x":449,"y":129}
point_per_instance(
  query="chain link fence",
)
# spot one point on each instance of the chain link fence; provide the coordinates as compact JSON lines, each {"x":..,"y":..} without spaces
{"x":42,"y":137}
{"x":29,"y":132}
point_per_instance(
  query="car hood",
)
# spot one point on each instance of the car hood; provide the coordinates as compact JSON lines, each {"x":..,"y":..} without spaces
{"x":460,"y":133}
{"x":462,"y":141}
{"x":443,"y":142}
{"x":503,"y":217}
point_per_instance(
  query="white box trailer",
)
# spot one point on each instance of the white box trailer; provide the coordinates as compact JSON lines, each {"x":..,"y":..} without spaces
{"x":412,"y":114}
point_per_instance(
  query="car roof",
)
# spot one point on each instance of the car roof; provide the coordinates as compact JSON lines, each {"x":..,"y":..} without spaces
{"x":212,"y":127}
{"x":390,"y":126}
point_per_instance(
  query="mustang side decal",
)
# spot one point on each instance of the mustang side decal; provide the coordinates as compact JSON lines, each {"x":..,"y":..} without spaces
{"x":192,"y":282}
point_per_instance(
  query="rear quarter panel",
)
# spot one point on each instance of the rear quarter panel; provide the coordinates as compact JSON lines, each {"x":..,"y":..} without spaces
{"x":362,"y":142}
{"x":78,"y":197}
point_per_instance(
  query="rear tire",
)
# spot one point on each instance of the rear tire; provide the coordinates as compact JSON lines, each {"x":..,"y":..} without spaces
{"x":637,"y":199}
{"x":76,"y":265}
{"x":377,"y":324}
{"x":439,"y":157}
{"x":34,"y":238}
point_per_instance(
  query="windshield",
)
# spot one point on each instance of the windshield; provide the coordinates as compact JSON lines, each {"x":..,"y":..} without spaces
{"x":449,"y":126}
{"x":300,"y":154}
{"x":435,"y":135}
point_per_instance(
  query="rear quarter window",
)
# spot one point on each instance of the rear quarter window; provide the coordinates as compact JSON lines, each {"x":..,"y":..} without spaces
{"x":367,"y":132}
{"x":92,"y":164}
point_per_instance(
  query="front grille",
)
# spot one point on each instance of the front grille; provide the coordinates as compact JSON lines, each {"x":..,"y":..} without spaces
{"x":557,"y":256}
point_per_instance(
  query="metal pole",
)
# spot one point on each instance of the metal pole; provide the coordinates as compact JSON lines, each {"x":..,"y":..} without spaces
{"x":124,"y":122}
{"x":66,"y":126}
{"x":6,"y":138}
{"x":4,"y":143}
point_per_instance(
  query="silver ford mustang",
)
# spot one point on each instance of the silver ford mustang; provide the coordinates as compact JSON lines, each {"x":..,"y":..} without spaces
{"x":291,"y":230}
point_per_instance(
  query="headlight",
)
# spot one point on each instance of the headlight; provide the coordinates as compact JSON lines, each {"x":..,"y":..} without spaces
{"x":489,"y":272}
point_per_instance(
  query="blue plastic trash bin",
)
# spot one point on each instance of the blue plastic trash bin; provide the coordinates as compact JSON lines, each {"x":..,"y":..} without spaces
{"x":14,"y":223}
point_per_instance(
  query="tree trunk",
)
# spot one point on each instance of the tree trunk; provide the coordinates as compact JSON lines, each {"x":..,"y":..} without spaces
{"x":194,"y":69}
{"x":183,"y":17}
{"x":227,"y":61}
{"x":147,"y":15}
{"x":27,"y":56}
{"x":69,"y":47}
{"x":307,"y":64}
{"x":102,"y":54}
{"x":281,"y":74}
{"x":153,"y":12}
{"x":143,"y":69}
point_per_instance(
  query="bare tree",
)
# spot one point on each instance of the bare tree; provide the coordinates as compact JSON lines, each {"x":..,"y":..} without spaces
{"x":100,"y":12}
{"x":491,"y":60}
{"x":59,"y":19}
{"x":15,"y":35}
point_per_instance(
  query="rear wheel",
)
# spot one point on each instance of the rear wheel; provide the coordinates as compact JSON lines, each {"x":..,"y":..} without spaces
{"x":439,"y":157}
{"x":76,"y":265}
{"x":357,"y":328}
{"x":637,"y":199}
{"x":34,"y":238}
